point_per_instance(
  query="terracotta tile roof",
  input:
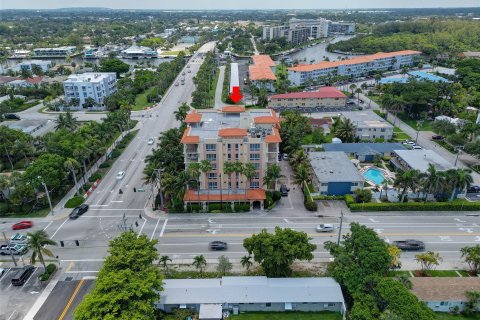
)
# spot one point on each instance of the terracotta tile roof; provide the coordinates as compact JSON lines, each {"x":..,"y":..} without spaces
{"x":444,"y":288}
{"x":6,"y":79}
{"x":186,"y":138}
{"x":261,"y":73}
{"x":273,"y":138}
{"x":193,"y":117}
{"x":266,"y":120}
{"x":233,"y":109}
{"x":232,"y":132}
{"x":34,"y":80}
{"x":263,"y":59}
{"x":363,"y":59}
{"x":254,"y":194}
{"x":321,"y":121}
{"x":323,"y":93}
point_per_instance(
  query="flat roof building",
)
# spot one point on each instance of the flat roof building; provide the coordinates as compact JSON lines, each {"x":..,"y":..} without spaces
{"x":243,"y":294}
{"x":324,"y":98}
{"x":365,"y":151}
{"x":136,"y":52}
{"x":54,"y":52}
{"x":96,"y":85}
{"x":335,"y":173}
{"x":419,"y":160}
{"x":369,"y":126}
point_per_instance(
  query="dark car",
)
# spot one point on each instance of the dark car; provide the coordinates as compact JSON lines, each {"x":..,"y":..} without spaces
{"x":78,"y":211}
{"x":218,"y":245}
{"x":22,"y":275}
{"x":11,"y":116}
{"x":284,"y":190}
{"x":409,"y":245}
{"x":473,"y":189}
{"x":437,"y":137}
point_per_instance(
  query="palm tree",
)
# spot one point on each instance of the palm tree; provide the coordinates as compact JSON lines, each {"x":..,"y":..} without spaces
{"x":358,"y":91}
{"x":60,"y":122}
{"x":206,"y":167}
{"x":345,"y":130}
{"x":71,"y":164}
{"x":409,"y":179}
{"x":89,"y":102}
{"x":458,"y":180}
{"x":352,"y":87}
{"x":182,"y":111}
{"x":36,"y":242}
{"x":229,"y":168}
{"x":301,"y":175}
{"x":163,"y":261}
{"x":272,"y":175}
{"x":432,"y":181}
{"x":199,"y":263}
{"x":249,"y":171}
{"x":194,"y":171}
{"x":246,"y":262}
{"x":298,"y":157}
{"x":72,"y":122}
{"x":4,"y":184}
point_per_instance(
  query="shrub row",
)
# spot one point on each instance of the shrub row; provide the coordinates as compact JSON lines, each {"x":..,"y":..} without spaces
{"x":416,"y":206}
{"x":328,"y":197}
{"x":94,"y":177}
{"x":74,"y":202}
{"x":50,"y":270}
{"x":349,"y":199}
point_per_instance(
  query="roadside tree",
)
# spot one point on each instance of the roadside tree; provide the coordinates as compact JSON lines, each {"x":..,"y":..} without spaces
{"x":36,"y":242}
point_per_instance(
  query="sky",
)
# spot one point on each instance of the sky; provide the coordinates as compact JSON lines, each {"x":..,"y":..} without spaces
{"x":236,"y":4}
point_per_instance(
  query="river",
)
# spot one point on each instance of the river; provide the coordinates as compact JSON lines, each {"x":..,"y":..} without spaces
{"x":319,"y":52}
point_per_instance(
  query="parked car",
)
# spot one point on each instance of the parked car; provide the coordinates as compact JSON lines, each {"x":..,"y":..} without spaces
{"x":183,"y":73}
{"x":284,"y":190}
{"x":2,"y":272}
{"x":151,"y":141}
{"x":473,"y":189}
{"x":285,"y":156}
{"x":189,"y":71}
{"x":324,"y":227}
{"x":177,"y":84}
{"x":16,"y":249}
{"x":218,"y":245}
{"x":25,"y":224}
{"x":22,"y":275}
{"x":188,"y":66}
{"x":11,"y":116}
{"x":19,"y":239}
{"x":417,"y":148}
{"x":409,"y":245}
{"x":120,"y":175}
{"x":437,"y":137}
{"x":78,"y":211}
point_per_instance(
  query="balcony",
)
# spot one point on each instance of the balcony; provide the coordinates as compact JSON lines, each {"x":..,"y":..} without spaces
{"x":191,"y":157}
{"x":272,"y":157}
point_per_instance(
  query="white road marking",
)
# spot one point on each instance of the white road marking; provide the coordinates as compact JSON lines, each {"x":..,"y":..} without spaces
{"x":31,"y":276}
{"x":58,"y":229}
{"x":114,"y":217}
{"x":373,"y":220}
{"x":98,"y":205}
{"x":163,"y":228}
{"x":153,"y":233}
{"x":446,"y":238}
{"x":477,"y":239}
{"x":84,"y":260}
{"x":468,"y":230}
{"x":79,"y":271}
{"x":12,"y":314}
{"x":459,"y":220}
{"x":286,"y":220}
{"x":117,"y":201}
{"x":143,"y":225}
{"x":48,"y":225}
{"x":378,"y":231}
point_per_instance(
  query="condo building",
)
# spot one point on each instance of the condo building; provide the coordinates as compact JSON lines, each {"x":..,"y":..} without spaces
{"x":355,"y":67}
{"x":227,"y":135}
{"x":262,"y":72}
{"x":96,"y":85}
{"x":324,"y":97}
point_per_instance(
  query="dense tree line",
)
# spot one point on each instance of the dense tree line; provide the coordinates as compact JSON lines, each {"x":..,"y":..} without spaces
{"x":204,"y":80}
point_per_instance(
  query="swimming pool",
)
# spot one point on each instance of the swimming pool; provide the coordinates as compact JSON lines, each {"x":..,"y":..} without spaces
{"x":374,"y":175}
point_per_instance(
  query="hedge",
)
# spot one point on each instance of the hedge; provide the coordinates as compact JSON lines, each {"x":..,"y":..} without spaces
{"x":105,"y":164}
{"x":416,"y":206}
{"x":349,"y":199}
{"x":94,"y":177}
{"x":328,"y":197}
{"x":74,"y":202}
{"x":311,"y":205}
{"x":115,"y":154}
{"x":49,"y":271}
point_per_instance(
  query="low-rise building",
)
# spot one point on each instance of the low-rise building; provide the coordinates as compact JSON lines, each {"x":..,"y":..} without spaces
{"x":365,"y":151}
{"x":228,"y":135}
{"x":234,"y":78}
{"x":419,"y":160}
{"x":335,"y":174}
{"x":244,"y":294}
{"x":59,"y":52}
{"x":442,"y":294}
{"x":369,"y":126}
{"x":96,"y":85}
{"x":136,"y":52}
{"x":45,"y":65}
{"x":324,"y":97}
{"x":262,"y":72}
{"x":341,"y":27}
{"x":355,"y":67}
{"x":324,"y":123}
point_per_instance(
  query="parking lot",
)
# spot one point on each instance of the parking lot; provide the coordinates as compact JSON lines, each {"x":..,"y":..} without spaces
{"x":16,"y":301}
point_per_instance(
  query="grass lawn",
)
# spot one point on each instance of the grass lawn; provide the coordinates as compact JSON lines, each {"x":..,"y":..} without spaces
{"x":214,"y":88}
{"x":288,"y":316}
{"x":307,"y":139}
{"x":397,"y":273}
{"x":426,"y":125}
{"x":141,"y":101}
{"x":399,"y":135}
{"x":443,"y":273}
{"x":447,"y":316}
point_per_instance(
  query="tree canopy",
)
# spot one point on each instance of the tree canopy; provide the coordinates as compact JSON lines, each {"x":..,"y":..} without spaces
{"x":114,"y":65}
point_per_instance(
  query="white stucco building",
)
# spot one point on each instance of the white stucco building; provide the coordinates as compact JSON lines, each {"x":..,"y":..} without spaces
{"x":96,"y":85}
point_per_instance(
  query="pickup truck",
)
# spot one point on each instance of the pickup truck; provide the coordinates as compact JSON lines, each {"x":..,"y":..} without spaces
{"x":18,"y":239}
{"x":17,"y":249}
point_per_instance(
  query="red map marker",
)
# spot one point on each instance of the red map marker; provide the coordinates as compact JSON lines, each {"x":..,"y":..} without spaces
{"x":236,"y":95}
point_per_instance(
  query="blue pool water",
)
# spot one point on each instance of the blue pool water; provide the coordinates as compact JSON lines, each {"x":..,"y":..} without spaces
{"x":374,"y":175}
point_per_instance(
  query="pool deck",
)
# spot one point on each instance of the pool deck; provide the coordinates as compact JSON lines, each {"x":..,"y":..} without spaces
{"x":386,"y":174}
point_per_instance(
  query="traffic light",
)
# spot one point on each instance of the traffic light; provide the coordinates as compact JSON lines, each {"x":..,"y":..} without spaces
{"x":77,"y":243}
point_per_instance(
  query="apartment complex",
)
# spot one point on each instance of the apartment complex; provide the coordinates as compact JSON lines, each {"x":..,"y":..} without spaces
{"x":227,"y":135}
{"x":135,"y":52}
{"x":262,"y":72}
{"x":59,"y":52}
{"x":324,"y":97}
{"x":96,"y":85}
{"x":302,"y":30}
{"x":28,"y":65}
{"x":369,"y":126}
{"x":355,"y":67}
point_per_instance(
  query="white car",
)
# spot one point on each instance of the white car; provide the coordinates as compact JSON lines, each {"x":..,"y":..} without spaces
{"x":189,"y":71}
{"x":176,"y":84}
{"x":2,"y":272}
{"x":324,"y":227}
{"x":417,"y":148}
{"x":285,"y":156}
{"x":120,"y":175}
{"x":150,"y":141}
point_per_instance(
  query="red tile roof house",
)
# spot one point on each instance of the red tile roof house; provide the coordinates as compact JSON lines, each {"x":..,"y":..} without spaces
{"x":444,"y":293}
{"x":324,"y":97}
{"x":262,"y":72}
{"x":324,"y":123}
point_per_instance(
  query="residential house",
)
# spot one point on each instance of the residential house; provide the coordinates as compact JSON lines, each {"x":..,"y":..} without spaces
{"x":365,"y":151}
{"x":369,"y":126}
{"x":262,"y":72}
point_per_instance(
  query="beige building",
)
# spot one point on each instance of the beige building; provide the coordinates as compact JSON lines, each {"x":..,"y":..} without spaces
{"x":324,"y":97}
{"x":228,"y":135}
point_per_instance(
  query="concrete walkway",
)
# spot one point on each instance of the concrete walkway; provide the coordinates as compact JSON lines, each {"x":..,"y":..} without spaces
{"x":254,"y":46}
{"x":218,"y":91}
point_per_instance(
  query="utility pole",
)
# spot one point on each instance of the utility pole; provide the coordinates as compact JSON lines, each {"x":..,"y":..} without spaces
{"x":123,"y":225}
{"x":11,"y":253}
{"x":340,"y":229}
{"x":48,"y":195}
{"x":458,"y":148}
{"x":158,"y":176}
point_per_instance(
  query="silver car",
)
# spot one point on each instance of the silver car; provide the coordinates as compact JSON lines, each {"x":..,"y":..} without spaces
{"x":120,"y":175}
{"x":324,"y":227}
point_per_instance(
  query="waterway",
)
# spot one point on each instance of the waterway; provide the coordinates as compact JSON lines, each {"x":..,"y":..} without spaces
{"x":318,"y":53}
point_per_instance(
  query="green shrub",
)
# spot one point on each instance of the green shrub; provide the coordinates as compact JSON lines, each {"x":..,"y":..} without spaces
{"x":74,"y":202}
{"x":311,"y":205}
{"x":216,"y":206}
{"x":276,"y":196}
{"x":268,"y":199}
{"x":416,"y":206}
{"x":95,"y":176}
{"x":115,"y":154}
{"x":51,"y":268}
{"x":349,"y":199}
{"x":105,"y":164}
{"x":242,"y":207}
{"x":328,"y":197}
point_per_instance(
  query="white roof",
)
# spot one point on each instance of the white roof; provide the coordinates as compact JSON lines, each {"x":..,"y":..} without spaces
{"x":250,"y":290}
{"x":420,"y":159}
{"x":210,"y":311}
{"x":90,"y":77}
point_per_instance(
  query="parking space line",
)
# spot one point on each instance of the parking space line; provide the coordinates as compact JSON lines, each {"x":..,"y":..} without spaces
{"x":58,"y":229}
{"x":5,"y":274}
{"x":64,"y":312}
{"x":163,"y":228}
{"x":48,"y":225}
{"x":143,"y":225}
{"x":153,"y":233}
{"x":36,"y":268}
{"x":12,"y":314}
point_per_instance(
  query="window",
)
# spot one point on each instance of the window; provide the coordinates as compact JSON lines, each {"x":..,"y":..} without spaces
{"x":254,"y":185}
{"x":254,"y":147}
{"x":236,"y":156}
{"x":229,"y":146}
{"x":211,"y":157}
{"x":254,"y":156}
{"x":324,"y":184}
{"x":211,"y":147}
{"x":214,"y":167}
{"x":383,"y":130}
{"x":268,"y":304}
{"x":354,"y":184}
{"x":257,"y":166}
{"x":212,"y":175}
{"x":444,"y":303}
{"x":212,"y":185}
{"x":236,"y":146}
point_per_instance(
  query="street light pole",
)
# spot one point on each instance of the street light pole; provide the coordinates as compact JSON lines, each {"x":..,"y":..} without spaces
{"x":340,"y":229}
{"x":11,"y":253}
{"x":48,"y":195}
{"x":458,"y":148}
{"x":159,"y":177}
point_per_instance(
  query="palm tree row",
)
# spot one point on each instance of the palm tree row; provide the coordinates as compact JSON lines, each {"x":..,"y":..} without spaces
{"x":439,"y":183}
